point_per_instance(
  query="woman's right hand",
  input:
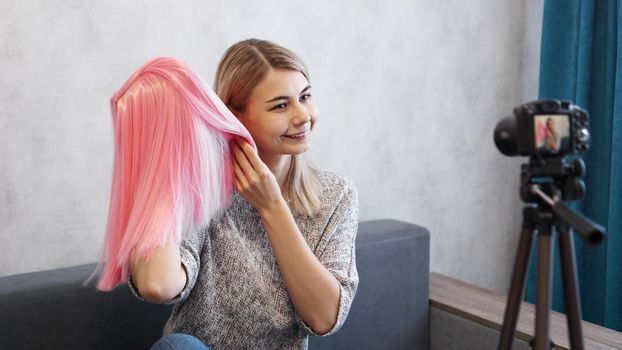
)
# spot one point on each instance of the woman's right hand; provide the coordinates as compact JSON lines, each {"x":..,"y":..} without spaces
{"x":161,"y":277}
{"x":253,"y":179}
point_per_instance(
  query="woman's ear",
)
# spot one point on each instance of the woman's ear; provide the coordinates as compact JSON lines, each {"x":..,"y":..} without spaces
{"x":234,"y":111}
{"x":241,"y":116}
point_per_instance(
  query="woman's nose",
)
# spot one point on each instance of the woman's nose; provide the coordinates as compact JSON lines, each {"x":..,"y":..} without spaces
{"x":301,"y":115}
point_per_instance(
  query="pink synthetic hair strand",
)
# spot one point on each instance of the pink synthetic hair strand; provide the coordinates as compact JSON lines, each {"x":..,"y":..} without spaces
{"x":172,"y":169}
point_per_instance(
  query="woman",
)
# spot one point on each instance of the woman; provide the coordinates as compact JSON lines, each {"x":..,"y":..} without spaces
{"x":551,"y":142}
{"x":279,"y":263}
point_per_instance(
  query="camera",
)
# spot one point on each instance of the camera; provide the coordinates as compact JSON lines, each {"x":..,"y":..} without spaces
{"x":551,"y":132}
{"x":544,"y":128}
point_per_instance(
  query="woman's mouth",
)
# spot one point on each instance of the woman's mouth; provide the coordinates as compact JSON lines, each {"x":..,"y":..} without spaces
{"x":299,"y":136}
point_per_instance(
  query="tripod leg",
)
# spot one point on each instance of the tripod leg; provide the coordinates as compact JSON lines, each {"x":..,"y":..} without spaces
{"x":543,"y":297}
{"x":517,"y":290}
{"x":571,"y":288}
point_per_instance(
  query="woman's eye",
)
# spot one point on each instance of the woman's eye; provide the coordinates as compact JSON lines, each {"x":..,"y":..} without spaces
{"x":280,"y":106}
{"x":305,"y":97}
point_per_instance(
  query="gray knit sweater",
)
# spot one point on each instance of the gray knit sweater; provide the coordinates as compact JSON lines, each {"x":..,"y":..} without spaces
{"x":235,"y":297}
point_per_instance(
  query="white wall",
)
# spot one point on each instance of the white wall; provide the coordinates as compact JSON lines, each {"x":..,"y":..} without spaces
{"x":409,"y":93}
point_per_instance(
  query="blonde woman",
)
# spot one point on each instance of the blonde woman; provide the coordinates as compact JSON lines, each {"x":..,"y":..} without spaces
{"x":279,"y":263}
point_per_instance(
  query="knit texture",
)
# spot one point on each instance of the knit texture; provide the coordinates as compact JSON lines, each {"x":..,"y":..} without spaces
{"x":235,"y":297}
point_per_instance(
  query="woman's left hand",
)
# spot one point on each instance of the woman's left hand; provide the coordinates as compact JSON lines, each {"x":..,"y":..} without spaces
{"x":253,"y":179}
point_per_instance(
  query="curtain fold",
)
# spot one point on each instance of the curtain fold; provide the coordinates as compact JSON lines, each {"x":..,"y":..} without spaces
{"x":581,"y":61}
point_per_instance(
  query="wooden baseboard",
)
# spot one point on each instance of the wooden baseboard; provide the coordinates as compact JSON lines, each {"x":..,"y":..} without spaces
{"x":487,"y":308}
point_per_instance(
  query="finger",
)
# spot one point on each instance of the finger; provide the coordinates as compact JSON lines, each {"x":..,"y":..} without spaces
{"x":251,"y":155}
{"x":242,"y":161}
{"x":237,"y":185}
{"x":240,"y":178}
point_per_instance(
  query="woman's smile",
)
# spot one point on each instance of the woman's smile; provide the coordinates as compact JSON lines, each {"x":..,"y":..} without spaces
{"x":299,"y":137}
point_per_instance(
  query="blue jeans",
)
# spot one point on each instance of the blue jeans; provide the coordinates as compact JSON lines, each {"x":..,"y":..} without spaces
{"x":179,"y":341}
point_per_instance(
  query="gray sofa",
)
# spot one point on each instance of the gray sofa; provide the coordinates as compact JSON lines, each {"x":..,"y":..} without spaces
{"x":52,"y":310}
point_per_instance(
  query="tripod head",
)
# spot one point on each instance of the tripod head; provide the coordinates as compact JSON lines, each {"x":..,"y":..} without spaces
{"x":560,"y":177}
{"x":547,"y":182}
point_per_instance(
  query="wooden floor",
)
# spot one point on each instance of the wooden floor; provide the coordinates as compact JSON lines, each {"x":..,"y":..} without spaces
{"x":487,"y":308}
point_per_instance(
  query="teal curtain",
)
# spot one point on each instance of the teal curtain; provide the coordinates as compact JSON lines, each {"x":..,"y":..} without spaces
{"x":581,"y":60}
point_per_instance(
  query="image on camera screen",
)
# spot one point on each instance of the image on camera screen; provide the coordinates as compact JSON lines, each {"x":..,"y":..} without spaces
{"x":552,"y":133}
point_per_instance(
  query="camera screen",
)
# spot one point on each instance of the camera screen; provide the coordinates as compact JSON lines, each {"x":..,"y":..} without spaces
{"x":552,"y":133}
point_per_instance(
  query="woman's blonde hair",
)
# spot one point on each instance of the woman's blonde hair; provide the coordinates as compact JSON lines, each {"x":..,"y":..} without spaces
{"x":243,"y":66}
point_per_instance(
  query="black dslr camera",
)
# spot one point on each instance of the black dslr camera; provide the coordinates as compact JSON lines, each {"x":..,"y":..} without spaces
{"x":544,"y":128}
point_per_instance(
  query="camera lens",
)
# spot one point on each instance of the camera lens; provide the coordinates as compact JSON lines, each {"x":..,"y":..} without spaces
{"x":505,"y":136}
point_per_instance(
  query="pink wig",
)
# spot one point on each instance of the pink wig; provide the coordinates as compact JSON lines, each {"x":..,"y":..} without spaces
{"x":172,"y":169}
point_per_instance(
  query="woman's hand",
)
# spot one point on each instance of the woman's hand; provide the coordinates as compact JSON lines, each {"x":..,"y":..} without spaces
{"x":253,"y":179}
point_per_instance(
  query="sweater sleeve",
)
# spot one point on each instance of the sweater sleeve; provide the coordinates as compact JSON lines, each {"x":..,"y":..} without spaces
{"x":336,"y":251}
{"x":190,"y":251}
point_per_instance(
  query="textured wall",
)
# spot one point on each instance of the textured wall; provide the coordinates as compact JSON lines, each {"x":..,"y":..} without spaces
{"x":409,"y":93}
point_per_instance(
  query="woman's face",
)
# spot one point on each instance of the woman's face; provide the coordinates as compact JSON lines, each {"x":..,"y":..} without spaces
{"x":280,"y":113}
{"x":549,"y":124}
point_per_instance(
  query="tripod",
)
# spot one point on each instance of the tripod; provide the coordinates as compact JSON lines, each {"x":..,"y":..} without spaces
{"x":549,"y":217}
